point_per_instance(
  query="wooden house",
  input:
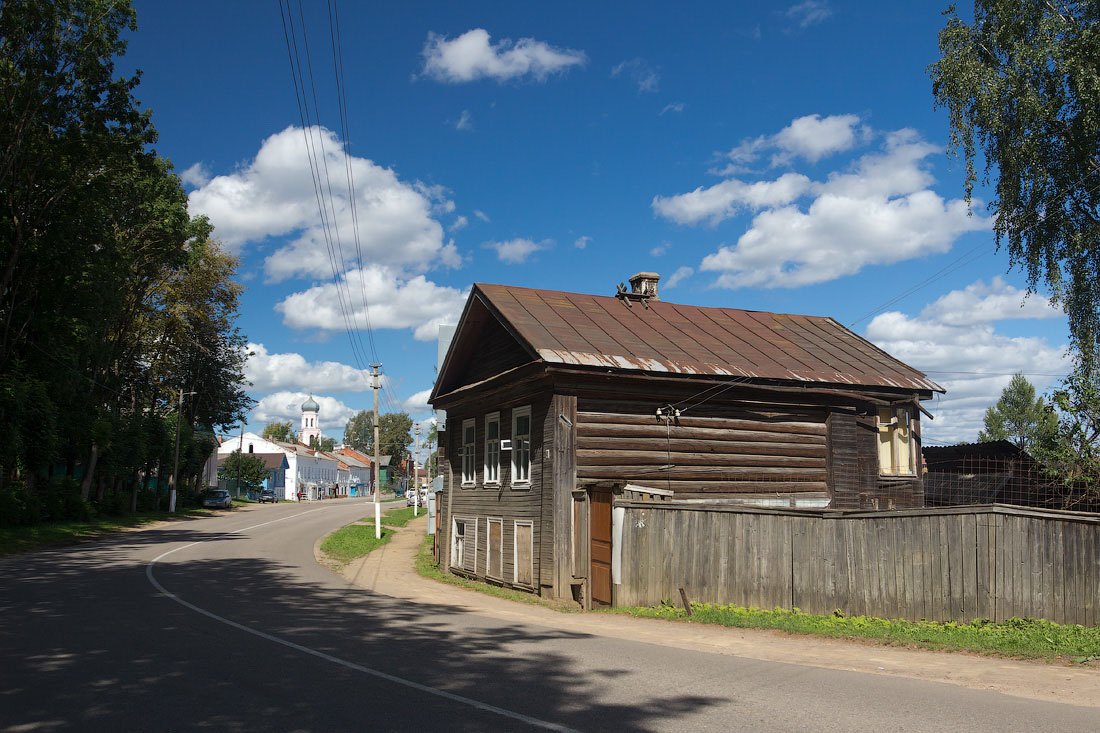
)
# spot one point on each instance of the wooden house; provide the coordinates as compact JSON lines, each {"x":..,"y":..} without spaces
{"x":553,"y":399}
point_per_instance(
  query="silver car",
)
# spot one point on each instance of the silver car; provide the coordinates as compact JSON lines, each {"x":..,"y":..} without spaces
{"x":217,"y":498}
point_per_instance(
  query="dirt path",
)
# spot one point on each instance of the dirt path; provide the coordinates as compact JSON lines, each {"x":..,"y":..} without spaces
{"x":390,"y":571}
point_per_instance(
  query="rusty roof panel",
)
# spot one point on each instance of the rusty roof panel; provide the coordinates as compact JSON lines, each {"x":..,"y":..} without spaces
{"x":603,"y":331}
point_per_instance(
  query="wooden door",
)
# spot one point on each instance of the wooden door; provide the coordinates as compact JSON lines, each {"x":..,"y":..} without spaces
{"x":599,"y":527}
{"x":524,"y":571}
{"x":496,"y":541}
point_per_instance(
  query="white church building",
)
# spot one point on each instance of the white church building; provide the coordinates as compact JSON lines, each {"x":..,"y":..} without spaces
{"x":309,"y":471}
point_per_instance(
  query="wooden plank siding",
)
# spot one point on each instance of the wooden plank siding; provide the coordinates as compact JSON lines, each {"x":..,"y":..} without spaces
{"x":506,"y":501}
{"x":944,"y":564}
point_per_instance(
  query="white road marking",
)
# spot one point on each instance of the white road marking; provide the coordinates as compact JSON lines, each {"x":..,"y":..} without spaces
{"x":328,"y":657}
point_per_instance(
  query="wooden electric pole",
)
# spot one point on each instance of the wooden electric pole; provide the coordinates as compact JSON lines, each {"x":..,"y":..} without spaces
{"x":377,"y":472}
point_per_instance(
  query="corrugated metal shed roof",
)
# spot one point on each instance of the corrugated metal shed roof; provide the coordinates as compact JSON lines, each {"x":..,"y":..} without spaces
{"x":603,"y":331}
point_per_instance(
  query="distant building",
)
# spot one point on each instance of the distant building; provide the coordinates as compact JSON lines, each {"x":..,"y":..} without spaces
{"x":311,"y":429}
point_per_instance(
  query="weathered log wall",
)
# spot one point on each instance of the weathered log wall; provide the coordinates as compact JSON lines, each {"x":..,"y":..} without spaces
{"x":953,"y":564}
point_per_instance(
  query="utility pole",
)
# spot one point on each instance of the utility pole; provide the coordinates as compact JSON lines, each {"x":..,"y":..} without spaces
{"x":416,"y":476}
{"x":377,"y":472}
{"x":176,"y":460}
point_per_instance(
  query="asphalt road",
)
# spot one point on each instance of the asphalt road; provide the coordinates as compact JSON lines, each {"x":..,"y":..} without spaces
{"x":228,"y":623}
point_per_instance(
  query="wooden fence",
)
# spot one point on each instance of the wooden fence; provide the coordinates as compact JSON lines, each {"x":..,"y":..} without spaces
{"x":957,"y":563}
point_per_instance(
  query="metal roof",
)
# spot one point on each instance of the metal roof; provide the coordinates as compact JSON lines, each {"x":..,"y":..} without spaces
{"x":657,"y":336}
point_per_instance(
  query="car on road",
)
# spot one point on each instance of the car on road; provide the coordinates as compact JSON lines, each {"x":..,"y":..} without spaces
{"x":410,"y":497}
{"x":217,"y":498}
{"x":268,"y":495}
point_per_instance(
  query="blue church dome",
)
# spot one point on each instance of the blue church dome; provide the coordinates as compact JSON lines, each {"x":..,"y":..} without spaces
{"x":310,"y":405}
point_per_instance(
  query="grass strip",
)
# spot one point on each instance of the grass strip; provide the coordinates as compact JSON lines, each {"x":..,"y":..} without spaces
{"x":353,"y":541}
{"x":426,"y":567}
{"x":398,"y":517}
{"x":14,"y":540}
{"x":1017,"y":637}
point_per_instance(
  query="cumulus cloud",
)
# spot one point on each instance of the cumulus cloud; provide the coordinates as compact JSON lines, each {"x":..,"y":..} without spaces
{"x":471,"y":56}
{"x":966,"y":354}
{"x":482,"y":215}
{"x":197,"y":175}
{"x":392,"y":302}
{"x":681,"y":274}
{"x":465,"y":121}
{"x":808,"y":13}
{"x":981,"y":303}
{"x":581,"y":242}
{"x":878,"y":211}
{"x":287,"y":405}
{"x":273,"y":196}
{"x":459,"y":223}
{"x":811,"y":138}
{"x":417,"y":403}
{"x":659,"y":250}
{"x":639,"y":72}
{"x":516,"y":251}
{"x":267,"y":371}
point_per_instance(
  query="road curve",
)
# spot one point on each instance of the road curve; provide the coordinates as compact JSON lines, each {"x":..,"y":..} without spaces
{"x":229,"y":623}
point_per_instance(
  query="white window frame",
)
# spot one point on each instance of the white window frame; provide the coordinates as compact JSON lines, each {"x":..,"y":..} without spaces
{"x":500,"y":550}
{"x":492,"y":448}
{"x":517,"y":447}
{"x":895,"y":428}
{"x":515,"y":552}
{"x":469,"y":452}
{"x":467,"y":522}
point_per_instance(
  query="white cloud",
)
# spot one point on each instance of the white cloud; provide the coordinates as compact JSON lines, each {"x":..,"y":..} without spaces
{"x":287,"y":405}
{"x":471,"y":56}
{"x":674,"y":107}
{"x":267,"y":371}
{"x":417,"y":404}
{"x":659,"y":250}
{"x":641,"y":73}
{"x":968,"y":356}
{"x":581,"y":242}
{"x":811,"y":137}
{"x":459,"y":223}
{"x":392,"y":302}
{"x":465,"y":121}
{"x":273,"y":196}
{"x":515,"y":251}
{"x":681,"y":274}
{"x":482,"y":215}
{"x":197,"y":175}
{"x":728,"y":198}
{"x":878,"y":211}
{"x":981,"y":303}
{"x":808,"y":13}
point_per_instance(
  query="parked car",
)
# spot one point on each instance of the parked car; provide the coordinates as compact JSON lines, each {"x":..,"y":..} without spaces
{"x":268,"y":495}
{"x":216,"y":498}
{"x":410,"y":497}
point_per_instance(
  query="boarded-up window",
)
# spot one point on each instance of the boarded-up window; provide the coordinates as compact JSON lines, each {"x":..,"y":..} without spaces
{"x":495,"y":561}
{"x":896,"y":447}
{"x":468,"y":470}
{"x":492,"y":448}
{"x":521,"y":445}
{"x":524,"y":554}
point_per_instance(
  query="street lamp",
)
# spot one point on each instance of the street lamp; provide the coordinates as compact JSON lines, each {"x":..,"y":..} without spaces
{"x":176,"y":460}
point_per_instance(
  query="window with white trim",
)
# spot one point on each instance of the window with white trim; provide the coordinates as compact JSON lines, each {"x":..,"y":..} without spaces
{"x":468,"y":470}
{"x":897,"y":452}
{"x":521,"y":445}
{"x":492,"y":448}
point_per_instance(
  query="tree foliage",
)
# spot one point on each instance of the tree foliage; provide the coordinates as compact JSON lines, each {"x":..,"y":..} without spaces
{"x":325,"y":443}
{"x":394,"y":433}
{"x":1022,"y":88}
{"x":1020,"y":417}
{"x":113,"y":300}
{"x":248,"y":468}
{"x":280,"y":431}
{"x":1072,"y":453}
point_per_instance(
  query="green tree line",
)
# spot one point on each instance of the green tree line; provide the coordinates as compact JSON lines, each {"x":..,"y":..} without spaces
{"x":113,"y":299}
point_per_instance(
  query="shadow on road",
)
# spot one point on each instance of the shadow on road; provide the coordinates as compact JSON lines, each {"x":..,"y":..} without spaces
{"x":88,"y":642}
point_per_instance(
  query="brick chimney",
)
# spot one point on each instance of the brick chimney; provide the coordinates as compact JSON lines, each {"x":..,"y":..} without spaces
{"x":645,"y":283}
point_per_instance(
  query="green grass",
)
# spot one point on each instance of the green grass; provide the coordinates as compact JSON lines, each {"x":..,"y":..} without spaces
{"x":353,"y":541}
{"x":426,"y":567}
{"x":1016,"y":637}
{"x":57,"y":534}
{"x":398,"y":517}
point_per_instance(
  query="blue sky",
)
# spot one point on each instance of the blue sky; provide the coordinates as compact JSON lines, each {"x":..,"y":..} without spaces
{"x":784,"y":158}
